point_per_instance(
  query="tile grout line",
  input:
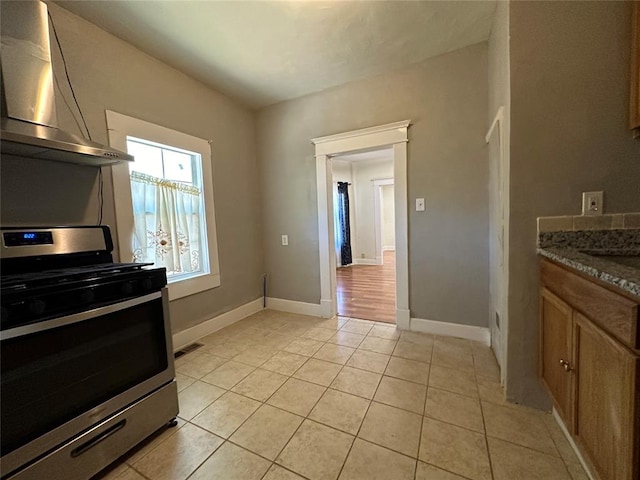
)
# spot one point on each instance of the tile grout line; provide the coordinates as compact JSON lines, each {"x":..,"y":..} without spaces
{"x":424,"y":412}
{"x":228,"y":439}
{"x":350,"y":393}
{"x":306,"y":417}
{"x":484,"y":423}
{"x":356,"y":436}
{"x":135,"y":470}
{"x":566,"y":463}
{"x":278,"y":349}
{"x":426,"y":398}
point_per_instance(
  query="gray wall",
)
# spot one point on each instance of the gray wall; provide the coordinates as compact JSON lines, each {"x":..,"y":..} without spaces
{"x":569,"y":114}
{"x":108,"y":73}
{"x":446,"y":98}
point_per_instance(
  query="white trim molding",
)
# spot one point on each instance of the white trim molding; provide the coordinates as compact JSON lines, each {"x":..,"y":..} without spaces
{"x":193,"y":334}
{"x":292,"y":306}
{"x":365,"y":138}
{"x":366,"y":261}
{"x":446,"y":329}
{"x":499,"y":266}
{"x":393,"y":135}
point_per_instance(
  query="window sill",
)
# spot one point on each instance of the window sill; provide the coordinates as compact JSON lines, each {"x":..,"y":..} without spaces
{"x":191,"y":286}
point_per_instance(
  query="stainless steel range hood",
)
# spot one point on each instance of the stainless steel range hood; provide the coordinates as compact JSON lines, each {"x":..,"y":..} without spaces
{"x":29,"y":122}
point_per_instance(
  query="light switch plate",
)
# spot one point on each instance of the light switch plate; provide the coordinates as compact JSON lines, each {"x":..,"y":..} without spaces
{"x":285,"y":240}
{"x":592,"y":203}
{"x":419,"y":204}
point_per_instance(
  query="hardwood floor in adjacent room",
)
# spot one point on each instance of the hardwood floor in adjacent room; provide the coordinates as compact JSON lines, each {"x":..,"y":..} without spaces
{"x":368,"y":291}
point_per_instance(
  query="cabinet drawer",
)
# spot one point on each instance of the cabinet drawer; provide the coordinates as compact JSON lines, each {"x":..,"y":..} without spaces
{"x":612,"y":312}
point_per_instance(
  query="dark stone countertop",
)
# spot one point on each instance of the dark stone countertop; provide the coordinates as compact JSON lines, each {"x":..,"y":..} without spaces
{"x":621,"y":276}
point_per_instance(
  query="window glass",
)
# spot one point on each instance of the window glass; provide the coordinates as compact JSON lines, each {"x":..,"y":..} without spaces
{"x":148,"y":159}
{"x":168,"y":209}
{"x":177,"y":166}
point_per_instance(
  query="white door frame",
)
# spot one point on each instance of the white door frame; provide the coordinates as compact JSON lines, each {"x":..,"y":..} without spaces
{"x":499,"y":280}
{"x":377,"y":216}
{"x":393,"y":135}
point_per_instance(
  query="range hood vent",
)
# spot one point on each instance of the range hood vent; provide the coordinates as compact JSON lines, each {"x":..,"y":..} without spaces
{"x":29,"y":121}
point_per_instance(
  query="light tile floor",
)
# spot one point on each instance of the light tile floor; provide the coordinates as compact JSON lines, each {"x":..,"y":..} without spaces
{"x":282,"y":397}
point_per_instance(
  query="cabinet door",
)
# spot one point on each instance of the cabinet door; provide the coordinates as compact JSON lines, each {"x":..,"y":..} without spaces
{"x":606,"y":396}
{"x":556,"y":364}
{"x":634,"y":111}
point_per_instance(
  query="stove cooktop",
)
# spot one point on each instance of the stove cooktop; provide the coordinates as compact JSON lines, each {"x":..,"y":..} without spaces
{"x":52,"y":272}
{"x":61,"y":276}
{"x":36,"y":297}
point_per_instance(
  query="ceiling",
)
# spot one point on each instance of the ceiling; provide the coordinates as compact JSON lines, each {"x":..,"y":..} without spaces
{"x":264,"y":52}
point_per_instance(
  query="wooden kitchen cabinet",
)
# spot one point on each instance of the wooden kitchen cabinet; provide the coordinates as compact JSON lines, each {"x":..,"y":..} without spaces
{"x":634,"y":110}
{"x":556,"y":325}
{"x":590,"y":364}
{"x":606,"y":390}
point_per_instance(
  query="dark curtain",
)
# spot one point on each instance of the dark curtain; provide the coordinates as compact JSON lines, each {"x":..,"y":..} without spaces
{"x":343,"y":219}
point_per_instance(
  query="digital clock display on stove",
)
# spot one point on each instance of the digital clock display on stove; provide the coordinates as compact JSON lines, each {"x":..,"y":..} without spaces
{"x":19,"y":239}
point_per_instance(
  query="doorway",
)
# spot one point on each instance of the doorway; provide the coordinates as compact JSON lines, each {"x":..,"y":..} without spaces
{"x":364,"y":231}
{"x":393,"y":136}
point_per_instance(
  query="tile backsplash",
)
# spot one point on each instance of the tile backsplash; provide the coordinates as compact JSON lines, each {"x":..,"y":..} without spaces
{"x":569,"y":223}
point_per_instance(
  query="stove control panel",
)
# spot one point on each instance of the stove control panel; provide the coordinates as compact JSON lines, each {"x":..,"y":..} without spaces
{"x":28,"y":241}
{"x":23,"y":238}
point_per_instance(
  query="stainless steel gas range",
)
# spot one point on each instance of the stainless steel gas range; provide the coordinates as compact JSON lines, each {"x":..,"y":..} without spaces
{"x":86,"y":354}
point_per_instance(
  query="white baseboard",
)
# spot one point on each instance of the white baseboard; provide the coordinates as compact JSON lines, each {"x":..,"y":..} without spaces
{"x":566,"y":433}
{"x":291,"y":306}
{"x":326,"y":309}
{"x":390,"y":248}
{"x":479,"y":334}
{"x":365,"y":261}
{"x":403,"y":319}
{"x":190,"y":335}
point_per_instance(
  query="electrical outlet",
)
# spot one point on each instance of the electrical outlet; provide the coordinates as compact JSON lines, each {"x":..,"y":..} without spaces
{"x":285,"y":240}
{"x":419,"y":204}
{"x":592,"y":203}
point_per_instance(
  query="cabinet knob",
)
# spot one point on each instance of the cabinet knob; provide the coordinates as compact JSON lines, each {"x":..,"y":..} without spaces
{"x":565,"y":365}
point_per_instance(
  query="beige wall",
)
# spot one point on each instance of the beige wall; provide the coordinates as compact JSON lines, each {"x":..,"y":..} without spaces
{"x":569,"y":113}
{"x":341,"y":170}
{"x":108,"y":73}
{"x":388,"y":216}
{"x":364,"y":173}
{"x":446,"y":98}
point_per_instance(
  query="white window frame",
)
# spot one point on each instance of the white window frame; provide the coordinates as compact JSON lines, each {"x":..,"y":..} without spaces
{"x":120,"y":127}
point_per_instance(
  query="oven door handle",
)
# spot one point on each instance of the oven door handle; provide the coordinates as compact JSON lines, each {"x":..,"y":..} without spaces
{"x":98,"y":439}
{"x":77,"y":317}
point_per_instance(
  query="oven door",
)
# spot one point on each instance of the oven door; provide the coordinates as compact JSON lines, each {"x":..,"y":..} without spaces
{"x":62,"y":376}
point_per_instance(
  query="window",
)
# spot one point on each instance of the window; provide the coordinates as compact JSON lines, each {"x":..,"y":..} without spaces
{"x":164,"y":203}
